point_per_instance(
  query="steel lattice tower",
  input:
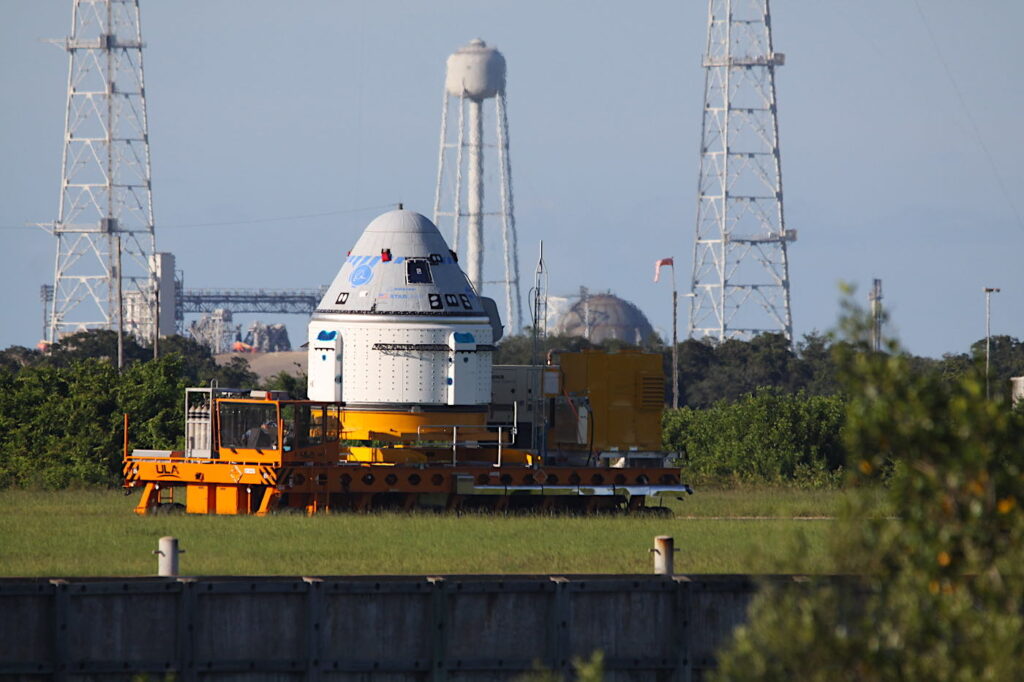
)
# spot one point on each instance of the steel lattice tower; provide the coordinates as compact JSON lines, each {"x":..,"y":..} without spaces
{"x":740,"y":284}
{"x":105,"y":265}
{"x":476,"y":73}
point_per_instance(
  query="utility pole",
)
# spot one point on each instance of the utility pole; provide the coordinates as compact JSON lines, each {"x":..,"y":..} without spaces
{"x":875,"y":301}
{"x":988,"y":337}
{"x":675,"y":342}
{"x":120,"y":305}
{"x":156,"y":326}
{"x":46,"y":296}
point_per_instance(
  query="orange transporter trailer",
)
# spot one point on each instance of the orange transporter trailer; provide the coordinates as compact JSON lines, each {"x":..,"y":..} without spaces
{"x":582,"y":433}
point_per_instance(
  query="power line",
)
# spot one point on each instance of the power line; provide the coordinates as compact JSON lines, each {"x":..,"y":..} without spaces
{"x":251,"y":221}
{"x":970,"y":119}
{"x":254,"y":221}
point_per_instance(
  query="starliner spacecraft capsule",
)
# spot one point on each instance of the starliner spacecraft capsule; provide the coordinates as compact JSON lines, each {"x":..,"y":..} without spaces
{"x":402,"y":412}
{"x":401,"y":329}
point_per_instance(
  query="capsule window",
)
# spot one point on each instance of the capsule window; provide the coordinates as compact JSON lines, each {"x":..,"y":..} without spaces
{"x":417,"y":271}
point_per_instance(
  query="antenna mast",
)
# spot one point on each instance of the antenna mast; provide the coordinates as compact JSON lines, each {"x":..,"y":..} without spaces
{"x":875,"y":300}
{"x":539,"y":330}
{"x":105,"y":269}
{"x":740,"y":284}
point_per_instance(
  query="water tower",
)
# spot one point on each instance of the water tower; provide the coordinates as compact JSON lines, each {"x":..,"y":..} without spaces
{"x":476,"y":73}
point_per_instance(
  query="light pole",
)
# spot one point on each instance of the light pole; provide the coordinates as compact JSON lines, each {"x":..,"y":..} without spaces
{"x":988,"y":336}
{"x":670,"y":262}
{"x":675,"y":342}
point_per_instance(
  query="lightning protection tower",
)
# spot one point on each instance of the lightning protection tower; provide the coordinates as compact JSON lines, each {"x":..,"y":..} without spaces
{"x":740,"y":285}
{"x":106,"y":262}
{"x":476,"y":73}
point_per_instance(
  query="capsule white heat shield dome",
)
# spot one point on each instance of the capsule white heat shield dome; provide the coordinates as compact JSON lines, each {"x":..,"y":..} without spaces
{"x":401,"y":325}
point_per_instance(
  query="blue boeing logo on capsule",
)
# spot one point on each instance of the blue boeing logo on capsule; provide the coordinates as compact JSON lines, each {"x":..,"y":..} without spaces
{"x":361,"y":275}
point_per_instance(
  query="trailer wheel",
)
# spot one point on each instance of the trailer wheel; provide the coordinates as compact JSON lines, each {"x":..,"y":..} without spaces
{"x":660,"y":512}
{"x":169,"y":508}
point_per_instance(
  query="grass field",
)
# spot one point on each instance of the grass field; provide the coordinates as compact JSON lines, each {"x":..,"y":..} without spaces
{"x":95,"y":533}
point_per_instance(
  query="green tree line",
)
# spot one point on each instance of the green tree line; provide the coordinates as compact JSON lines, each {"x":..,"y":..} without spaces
{"x":765,"y":436}
{"x":759,"y":410}
{"x":712,"y":371}
{"x":62,"y":412}
{"x":767,"y":411}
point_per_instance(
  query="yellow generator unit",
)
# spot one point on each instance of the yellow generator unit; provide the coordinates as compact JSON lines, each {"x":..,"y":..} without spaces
{"x":610,"y":406}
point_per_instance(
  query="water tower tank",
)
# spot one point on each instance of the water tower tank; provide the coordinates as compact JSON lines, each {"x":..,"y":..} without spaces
{"x":476,"y":71}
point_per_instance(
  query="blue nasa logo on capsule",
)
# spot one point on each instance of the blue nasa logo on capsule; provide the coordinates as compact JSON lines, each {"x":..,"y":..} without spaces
{"x":325,"y":335}
{"x":360,"y":276}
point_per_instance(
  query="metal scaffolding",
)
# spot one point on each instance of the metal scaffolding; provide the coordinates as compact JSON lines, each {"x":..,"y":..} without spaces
{"x":284,"y":301}
{"x":105,"y":265}
{"x":216,"y":329}
{"x":740,"y":284}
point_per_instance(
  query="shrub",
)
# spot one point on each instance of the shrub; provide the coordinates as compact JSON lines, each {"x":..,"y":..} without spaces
{"x":941,"y":592}
{"x":766,"y":436}
{"x":62,"y":425}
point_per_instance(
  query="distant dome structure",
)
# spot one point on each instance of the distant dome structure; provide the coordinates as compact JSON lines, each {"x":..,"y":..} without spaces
{"x":601,"y":317}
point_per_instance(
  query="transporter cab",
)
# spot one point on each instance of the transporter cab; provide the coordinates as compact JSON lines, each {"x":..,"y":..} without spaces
{"x":406,"y":408}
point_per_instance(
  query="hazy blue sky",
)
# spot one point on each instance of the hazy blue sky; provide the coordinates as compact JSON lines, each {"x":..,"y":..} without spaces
{"x":264,"y":109}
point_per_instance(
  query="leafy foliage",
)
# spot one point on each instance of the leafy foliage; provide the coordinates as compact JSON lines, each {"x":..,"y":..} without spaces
{"x":1006,"y":360}
{"x":96,"y":344}
{"x":61,"y":412}
{"x":941,"y":592}
{"x":198,"y":366}
{"x":16,"y":357}
{"x":63,"y":425}
{"x":151,"y":394}
{"x":294,"y":384}
{"x":765,"y":436}
{"x":711,"y":371}
{"x":518,"y":350}
{"x":200,"y":369}
{"x":583,"y":670}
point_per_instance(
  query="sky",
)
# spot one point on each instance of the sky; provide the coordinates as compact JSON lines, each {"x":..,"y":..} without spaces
{"x":899,"y":131}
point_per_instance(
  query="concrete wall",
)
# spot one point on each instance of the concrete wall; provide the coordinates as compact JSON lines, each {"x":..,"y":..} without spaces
{"x":344,"y":628}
